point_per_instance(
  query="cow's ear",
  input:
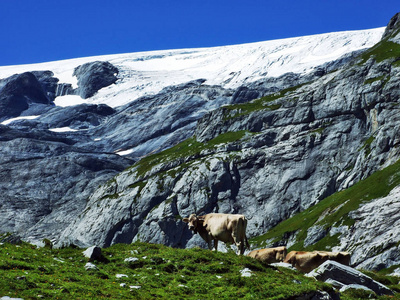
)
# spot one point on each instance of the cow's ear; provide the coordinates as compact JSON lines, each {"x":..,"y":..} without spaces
{"x":186,"y":220}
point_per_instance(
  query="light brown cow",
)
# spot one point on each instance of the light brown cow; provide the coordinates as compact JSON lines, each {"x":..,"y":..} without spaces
{"x":220,"y":227}
{"x":306,"y":261}
{"x":269,"y":255}
{"x":340,"y":257}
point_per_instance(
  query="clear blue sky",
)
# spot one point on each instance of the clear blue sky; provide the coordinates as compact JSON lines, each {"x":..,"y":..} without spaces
{"x":45,"y":30}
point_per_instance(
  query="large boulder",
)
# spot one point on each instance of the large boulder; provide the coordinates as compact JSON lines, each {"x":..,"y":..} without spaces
{"x":93,"y":253}
{"x":18,"y":92}
{"x":94,"y":76}
{"x":332,"y":271}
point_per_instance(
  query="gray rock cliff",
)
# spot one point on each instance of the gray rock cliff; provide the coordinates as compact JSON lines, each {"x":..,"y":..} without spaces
{"x":18,"y":93}
{"x":266,"y":159}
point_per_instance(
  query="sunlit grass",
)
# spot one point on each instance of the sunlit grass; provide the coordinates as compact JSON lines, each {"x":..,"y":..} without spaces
{"x":156,"y":272}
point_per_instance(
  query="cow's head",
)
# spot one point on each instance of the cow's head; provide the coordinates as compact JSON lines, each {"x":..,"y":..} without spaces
{"x":280,"y":253}
{"x":194,"y":222}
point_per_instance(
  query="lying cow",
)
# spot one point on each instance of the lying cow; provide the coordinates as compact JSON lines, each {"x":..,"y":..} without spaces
{"x":305,"y":261}
{"x":340,"y":257}
{"x":220,"y":227}
{"x":308,"y":261}
{"x":269,"y":255}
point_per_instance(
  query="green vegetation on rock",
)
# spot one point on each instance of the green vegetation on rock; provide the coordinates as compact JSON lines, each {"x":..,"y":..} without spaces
{"x":185,"y":149}
{"x":382,"y":51}
{"x":263,"y":103}
{"x":334,"y":210}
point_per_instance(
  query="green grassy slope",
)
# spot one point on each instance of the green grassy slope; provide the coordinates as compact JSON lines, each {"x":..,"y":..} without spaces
{"x":159,"y":272}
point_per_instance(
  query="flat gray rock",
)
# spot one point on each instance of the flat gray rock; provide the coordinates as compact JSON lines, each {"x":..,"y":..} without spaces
{"x":331,"y":270}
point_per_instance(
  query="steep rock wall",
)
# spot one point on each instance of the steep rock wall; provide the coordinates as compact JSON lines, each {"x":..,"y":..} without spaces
{"x":267,"y":159}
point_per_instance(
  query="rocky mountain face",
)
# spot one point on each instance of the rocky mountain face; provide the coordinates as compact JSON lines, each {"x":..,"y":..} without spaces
{"x":267,"y":159}
{"x":54,"y":158}
{"x":94,"y":175}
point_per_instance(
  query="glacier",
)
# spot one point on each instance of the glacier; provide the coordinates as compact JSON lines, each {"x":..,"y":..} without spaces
{"x":147,"y":73}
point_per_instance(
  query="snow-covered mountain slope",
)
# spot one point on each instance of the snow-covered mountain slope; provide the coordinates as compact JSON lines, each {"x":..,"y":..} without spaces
{"x":230,"y":66}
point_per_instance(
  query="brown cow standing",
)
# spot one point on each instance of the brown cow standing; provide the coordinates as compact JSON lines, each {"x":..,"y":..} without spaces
{"x":226,"y":228}
{"x":269,"y":255}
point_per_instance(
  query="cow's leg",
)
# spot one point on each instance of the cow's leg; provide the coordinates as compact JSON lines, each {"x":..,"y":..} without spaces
{"x":209,"y":242}
{"x":216,"y":245}
{"x":241,"y":247}
{"x":239,"y":244}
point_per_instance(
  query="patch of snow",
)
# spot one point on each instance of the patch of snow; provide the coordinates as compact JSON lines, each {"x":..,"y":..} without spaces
{"x":6,"y":122}
{"x":69,"y":100}
{"x":62,"y":129}
{"x":124,"y":152}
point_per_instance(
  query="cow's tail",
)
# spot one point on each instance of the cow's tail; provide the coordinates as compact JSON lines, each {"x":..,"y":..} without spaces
{"x":247,"y":243}
{"x":245,"y":236}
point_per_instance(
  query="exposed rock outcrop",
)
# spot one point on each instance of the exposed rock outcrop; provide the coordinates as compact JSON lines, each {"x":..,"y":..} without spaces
{"x":45,"y":180}
{"x":340,"y":276}
{"x":393,"y":27}
{"x":18,"y":92}
{"x":376,"y":222}
{"x":266,"y":159}
{"x":94,"y":76}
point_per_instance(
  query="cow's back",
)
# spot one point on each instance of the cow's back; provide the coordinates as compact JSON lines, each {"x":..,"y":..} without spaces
{"x":269,"y":255}
{"x":264,"y":255}
{"x":340,"y":257}
{"x":222,"y":226}
{"x":306,"y":262}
